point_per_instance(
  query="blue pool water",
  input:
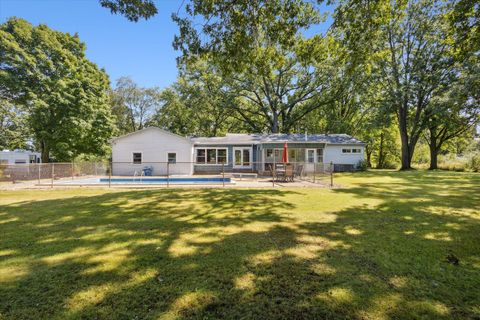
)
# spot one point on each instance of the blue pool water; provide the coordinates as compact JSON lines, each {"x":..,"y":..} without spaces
{"x":195,"y":180}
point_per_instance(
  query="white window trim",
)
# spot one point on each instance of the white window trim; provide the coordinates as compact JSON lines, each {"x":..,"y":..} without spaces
{"x":314,"y":155}
{"x":351,"y":148}
{"x":250,"y":160}
{"x":274,"y":158}
{"x":216,"y":158}
{"x":166,"y":157}
{"x":141,"y":162}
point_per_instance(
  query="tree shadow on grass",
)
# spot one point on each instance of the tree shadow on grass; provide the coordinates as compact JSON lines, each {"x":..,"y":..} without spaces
{"x":238,"y":254}
{"x":51,"y":251}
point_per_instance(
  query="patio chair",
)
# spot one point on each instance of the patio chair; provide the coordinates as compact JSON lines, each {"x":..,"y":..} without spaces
{"x":299,"y":171}
{"x":289,"y":173}
{"x":280,"y":172}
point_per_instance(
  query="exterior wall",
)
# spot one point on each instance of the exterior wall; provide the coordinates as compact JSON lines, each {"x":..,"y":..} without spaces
{"x":333,"y":153}
{"x":154,"y":144}
{"x":10,"y":157}
{"x":228,"y":167}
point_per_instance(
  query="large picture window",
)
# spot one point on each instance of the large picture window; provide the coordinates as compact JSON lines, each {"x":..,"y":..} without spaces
{"x":211,"y":155}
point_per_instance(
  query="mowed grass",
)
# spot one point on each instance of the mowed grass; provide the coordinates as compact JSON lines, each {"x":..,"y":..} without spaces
{"x":375,"y":249}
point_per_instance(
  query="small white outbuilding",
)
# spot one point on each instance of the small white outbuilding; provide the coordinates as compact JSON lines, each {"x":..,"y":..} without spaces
{"x":19,"y":156}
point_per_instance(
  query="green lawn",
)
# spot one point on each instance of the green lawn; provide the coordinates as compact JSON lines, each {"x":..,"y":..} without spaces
{"x":375,"y":249}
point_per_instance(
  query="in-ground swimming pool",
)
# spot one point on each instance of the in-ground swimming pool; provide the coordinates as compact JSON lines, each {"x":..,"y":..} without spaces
{"x":144,"y":180}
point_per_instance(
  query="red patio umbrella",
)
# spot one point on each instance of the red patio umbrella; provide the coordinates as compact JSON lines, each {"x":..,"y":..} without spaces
{"x":285,"y":153}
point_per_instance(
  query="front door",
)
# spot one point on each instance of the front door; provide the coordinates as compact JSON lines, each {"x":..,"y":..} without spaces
{"x":242,"y":157}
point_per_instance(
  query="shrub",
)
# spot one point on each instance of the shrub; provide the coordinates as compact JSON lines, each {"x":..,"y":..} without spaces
{"x":362,"y":165}
{"x":473,"y":163}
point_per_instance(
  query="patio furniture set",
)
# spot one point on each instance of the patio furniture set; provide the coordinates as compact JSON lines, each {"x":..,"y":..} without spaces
{"x":286,"y":172}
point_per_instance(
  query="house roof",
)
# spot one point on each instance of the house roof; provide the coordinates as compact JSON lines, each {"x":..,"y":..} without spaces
{"x":243,"y":138}
{"x":258,"y":138}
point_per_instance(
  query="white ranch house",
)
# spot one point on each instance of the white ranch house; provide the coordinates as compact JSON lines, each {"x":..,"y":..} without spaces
{"x":154,"y":147}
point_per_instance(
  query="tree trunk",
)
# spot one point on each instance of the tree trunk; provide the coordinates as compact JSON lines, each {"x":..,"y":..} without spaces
{"x":433,"y":159}
{"x":381,"y":156}
{"x":433,"y":149}
{"x":368,"y":151}
{"x":45,"y":150}
{"x":275,"y":123}
{"x":406,"y":156}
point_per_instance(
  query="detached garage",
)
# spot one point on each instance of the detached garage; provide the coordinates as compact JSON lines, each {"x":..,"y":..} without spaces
{"x":152,"y":148}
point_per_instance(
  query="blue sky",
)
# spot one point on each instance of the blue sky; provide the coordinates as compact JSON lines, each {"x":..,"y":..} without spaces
{"x":141,"y":50}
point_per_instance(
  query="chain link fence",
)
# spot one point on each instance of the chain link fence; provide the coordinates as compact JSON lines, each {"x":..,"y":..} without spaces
{"x":128,"y":173}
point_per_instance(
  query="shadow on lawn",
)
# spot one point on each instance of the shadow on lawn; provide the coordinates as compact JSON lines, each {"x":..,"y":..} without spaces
{"x":242,"y":254}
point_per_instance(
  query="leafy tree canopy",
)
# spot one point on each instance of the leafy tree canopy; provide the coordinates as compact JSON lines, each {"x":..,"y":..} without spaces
{"x":133,"y":10}
{"x":64,"y":94}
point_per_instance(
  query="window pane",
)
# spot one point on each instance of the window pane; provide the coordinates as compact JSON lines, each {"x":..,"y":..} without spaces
{"x":211,"y":156}
{"x":269,"y":153}
{"x":278,"y":155}
{"x":238,"y":157}
{"x":246,"y":157}
{"x":301,"y":155}
{"x":320,"y":155}
{"x":311,"y":156}
{"x":292,"y":155}
{"x":222,"y":155}
{"x":137,"y":157}
{"x":200,"y":155}
{"x":172,"y":157}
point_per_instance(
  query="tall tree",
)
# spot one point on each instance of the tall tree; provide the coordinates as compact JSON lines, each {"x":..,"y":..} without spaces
{"x":133,"y":105}
{"x":257,"y":47}
{"x":414,"y":60}
{"x":65,"y":95}
{"x":456,"y":110}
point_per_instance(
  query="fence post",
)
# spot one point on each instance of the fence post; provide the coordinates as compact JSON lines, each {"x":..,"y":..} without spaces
{"x":314,"y":171}
{"x":168,"y":174}
{"x":223,"y":174}
{"x":39,"y":173}
{"x":53,"y":172}
{"x":274,"y":171}
{"x":73,"y":168}
{"x":109,"y":174}
{"x":331,"y":174}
